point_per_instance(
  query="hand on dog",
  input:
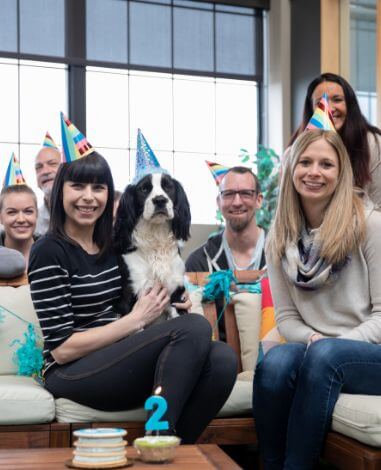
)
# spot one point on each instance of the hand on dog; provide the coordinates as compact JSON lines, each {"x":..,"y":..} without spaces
{"x":151,"y":304}
{"x":186,"y":303}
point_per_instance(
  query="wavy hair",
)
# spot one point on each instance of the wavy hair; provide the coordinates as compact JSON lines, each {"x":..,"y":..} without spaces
{"x":338,"y":235}
{"x":353,"y":132}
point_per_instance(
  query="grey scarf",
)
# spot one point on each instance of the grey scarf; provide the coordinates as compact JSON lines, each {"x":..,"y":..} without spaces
{"x":303,"y":265}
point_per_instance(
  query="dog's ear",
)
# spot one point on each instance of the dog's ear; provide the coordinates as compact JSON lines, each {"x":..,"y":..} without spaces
{"x":126,"y":219}
{"x":182,"y":219}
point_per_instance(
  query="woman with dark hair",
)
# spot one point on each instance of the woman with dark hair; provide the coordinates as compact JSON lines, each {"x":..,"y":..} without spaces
{"x":361,"y":139}
{"x":96,"y":356}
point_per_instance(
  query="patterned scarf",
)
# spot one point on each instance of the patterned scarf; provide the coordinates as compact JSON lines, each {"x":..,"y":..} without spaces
{"x":303,"y":265}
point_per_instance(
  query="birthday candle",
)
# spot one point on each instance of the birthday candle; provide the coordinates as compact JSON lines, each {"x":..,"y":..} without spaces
{"x":154,"y":423}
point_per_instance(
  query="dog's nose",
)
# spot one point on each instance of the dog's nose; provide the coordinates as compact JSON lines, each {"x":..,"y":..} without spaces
{"x":160,"y":201}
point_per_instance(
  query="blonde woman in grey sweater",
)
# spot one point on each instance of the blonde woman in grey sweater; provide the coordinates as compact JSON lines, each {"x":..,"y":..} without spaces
{"x":324,"y":264}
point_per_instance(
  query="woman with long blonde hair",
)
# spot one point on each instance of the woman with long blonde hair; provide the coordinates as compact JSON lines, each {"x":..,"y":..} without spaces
{"x":324,"y":264}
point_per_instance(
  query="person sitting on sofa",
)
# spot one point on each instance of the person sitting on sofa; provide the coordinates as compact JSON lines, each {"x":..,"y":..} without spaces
{"x":240,"y":246}
{"x":18,"y":215}
{"x":93,"y":355}
{"x":324,"y":264}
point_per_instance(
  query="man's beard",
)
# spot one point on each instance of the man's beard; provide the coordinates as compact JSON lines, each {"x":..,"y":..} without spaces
{"x":239,"y":226}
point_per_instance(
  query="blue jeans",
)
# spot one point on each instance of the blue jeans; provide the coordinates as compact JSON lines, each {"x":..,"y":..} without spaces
{"x":295,"y":392}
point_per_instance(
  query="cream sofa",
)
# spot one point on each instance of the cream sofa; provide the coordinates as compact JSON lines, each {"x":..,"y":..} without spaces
{"x":24,"y":401}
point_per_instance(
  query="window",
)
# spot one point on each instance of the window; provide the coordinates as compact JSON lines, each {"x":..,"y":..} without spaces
{"x":188,"y":73}
{"x":186,"y":120}
{"x":32,"y":95}
{"x":363,"y":52}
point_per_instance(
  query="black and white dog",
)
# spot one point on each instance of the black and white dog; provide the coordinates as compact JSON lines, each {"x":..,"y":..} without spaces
{"x":152,"y":221}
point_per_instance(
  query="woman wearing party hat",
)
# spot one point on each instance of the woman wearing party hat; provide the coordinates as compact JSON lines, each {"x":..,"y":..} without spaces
{"x":361,"y":139}
{"x":93,"y":355}
{"x":18,"y":211}
{"x":324,"y":264}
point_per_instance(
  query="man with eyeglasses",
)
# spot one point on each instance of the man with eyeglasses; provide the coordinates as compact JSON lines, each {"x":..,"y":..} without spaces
{"x":240,"y":246}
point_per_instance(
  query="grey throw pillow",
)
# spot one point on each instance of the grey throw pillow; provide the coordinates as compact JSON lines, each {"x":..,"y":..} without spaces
{"x":12,"y":263}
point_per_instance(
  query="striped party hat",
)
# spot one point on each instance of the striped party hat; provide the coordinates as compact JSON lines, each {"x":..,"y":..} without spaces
{"x":146,"y":161}
{"x":49,"y":142}
{"x":74,"y":143}
{"x":218,"y":171}
{"x":13,"y":175}
{"x":322,"y":117}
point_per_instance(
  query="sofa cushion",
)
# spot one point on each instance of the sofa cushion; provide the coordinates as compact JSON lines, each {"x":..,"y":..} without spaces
{"x":247,"y":309}
{"x":24,"y":401}
{"x":18,"y":301}
{"x":67,"y":411}
{"x":359,"y":417}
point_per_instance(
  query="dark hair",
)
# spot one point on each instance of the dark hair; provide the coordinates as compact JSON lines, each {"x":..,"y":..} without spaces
{"x":241,"y":170}
{"x":17,"y":188}
{"x":354,"y":130}
{"x":90,"y":169}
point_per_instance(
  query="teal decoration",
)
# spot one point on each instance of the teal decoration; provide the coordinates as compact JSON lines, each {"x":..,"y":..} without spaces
{"x":219,"y":284}
{"x":28,"y":355}
{"x":254,"y":288}
{"x":189,"y":286}
{"x":2,"y":316}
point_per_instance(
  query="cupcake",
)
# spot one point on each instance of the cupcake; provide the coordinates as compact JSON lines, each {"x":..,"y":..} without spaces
{"x":157,"y":449}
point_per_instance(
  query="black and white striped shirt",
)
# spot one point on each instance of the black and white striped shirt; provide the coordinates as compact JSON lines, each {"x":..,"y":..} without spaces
{"x":71,"y":290}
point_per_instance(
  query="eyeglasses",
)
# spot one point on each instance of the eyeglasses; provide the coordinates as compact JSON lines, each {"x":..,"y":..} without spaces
{"x":245,"y":194}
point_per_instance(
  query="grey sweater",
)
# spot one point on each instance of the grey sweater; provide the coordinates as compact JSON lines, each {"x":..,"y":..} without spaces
{"x":350,"y":307}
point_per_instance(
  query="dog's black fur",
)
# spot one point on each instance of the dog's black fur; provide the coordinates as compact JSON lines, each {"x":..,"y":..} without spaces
{"x":130,"y":211}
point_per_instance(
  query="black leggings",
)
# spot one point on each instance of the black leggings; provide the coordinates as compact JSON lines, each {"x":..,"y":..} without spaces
{"x":195,"y":373}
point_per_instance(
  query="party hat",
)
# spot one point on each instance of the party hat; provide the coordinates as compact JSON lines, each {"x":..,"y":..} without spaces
{"x":49,"y":142}
{"x":74,"y":143}
{"x":322,"y":117}
{"x":146,"y":161}
{"x":13,"y":175}
{"x":218,"y":171}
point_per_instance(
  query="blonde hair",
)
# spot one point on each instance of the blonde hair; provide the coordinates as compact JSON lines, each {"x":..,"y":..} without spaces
{"x":343,"y":225}
{"x":16,"y":189}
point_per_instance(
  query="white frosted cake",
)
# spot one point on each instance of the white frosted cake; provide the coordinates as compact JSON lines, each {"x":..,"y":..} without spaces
{"x":100,"y":448}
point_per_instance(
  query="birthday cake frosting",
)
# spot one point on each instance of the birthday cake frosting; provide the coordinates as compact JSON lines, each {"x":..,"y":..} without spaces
{"x":99,"y":448}
{"x":157,"y":448}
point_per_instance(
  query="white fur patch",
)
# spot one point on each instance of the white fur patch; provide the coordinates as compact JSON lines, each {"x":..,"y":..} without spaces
{"x":157,"y":190}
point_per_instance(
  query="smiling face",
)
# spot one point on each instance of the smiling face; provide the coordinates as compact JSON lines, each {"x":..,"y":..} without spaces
{"x":19,"y":216}
{"x":316,"y":173}
{"x":336,"y":101}
{"x":156,"y":194}
{"x":47,"y":163}
{"x":239,"y":209}
{"x":83,"y":204}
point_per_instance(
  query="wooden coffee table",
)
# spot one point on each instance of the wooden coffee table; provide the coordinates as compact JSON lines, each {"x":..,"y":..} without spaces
{"x":199,"y":457}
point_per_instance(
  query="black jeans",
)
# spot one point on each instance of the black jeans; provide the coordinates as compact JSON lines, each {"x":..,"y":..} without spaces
{"x":196,"y":374}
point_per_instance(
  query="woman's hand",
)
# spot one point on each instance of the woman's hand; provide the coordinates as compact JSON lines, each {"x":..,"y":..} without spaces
{"x":314,"y":337}
{"x":150,"y":305}
{"x":186,"y":303}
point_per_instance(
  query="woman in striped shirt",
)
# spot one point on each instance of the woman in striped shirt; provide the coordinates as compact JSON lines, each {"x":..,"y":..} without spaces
{"x":95,"y":356}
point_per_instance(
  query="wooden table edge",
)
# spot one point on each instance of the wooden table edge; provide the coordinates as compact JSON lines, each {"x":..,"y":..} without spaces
{"x":218,"y":457}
